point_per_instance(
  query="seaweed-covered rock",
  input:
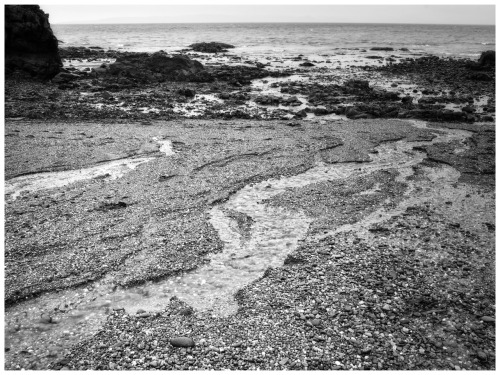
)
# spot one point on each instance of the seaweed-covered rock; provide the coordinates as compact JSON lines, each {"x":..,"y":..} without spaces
{"x":158,"y":67}
{"x":487,"y":58}
{"x":30,"y":44}
{"x":211,"y":47}
{"x":382,"y":49}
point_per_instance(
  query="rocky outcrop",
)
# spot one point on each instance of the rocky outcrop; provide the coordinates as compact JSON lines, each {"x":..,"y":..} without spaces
{"x":30,"y":44}
{"x":487,"y":59}
{"x":158,"y":67}
{"x":382,"y":49}
{"x":212,"y":47}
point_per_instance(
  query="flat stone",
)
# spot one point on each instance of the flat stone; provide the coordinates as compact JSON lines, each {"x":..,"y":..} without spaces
{"x":182,"y":342}
{"x":488,"y":319}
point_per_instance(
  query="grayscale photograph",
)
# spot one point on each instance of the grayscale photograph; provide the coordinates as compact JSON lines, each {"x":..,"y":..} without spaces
{"x":296,"y":187}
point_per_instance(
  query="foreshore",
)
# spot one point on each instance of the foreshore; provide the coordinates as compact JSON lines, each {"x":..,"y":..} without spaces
{"x":376,"y":83}
{"x":384,"y":174}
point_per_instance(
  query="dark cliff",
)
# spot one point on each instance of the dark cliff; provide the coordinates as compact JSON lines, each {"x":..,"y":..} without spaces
{"x":30,"y":44}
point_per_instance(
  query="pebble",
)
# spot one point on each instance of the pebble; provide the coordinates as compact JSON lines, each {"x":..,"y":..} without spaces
{"x":488,"y":319}
{"x":482,"y":356}
{"x":45,"y":319}
{"x":182,"y":342}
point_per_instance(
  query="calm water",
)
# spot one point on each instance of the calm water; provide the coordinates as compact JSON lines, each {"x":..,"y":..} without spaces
{"x":283,"y":38}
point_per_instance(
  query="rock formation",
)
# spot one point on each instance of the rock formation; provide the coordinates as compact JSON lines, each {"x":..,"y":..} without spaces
{"x":211,"y":47}
{"x":30,"y":44}
{"x":158,"y":67}
{"x":487,"y":59}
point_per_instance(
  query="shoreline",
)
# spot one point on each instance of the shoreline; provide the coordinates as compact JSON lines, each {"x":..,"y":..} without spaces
{"x":382,"y":257}
{"x":369,"y":84}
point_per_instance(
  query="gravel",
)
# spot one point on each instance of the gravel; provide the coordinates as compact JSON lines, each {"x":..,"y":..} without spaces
{"x":415,"y":291}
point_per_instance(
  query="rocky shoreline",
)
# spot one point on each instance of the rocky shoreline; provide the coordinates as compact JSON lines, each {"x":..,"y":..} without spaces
{"x":140,"y":86}
{"x":380,"y":163}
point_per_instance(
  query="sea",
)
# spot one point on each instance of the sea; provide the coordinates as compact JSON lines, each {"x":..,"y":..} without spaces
{"x":272,"y":39}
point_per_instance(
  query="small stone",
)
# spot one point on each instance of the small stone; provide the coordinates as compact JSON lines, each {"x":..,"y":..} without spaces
{"x":106,"y":95}
{"x":482,"y":356}
{"x":140,"y":311}
{"x":451,"y":344}
{"x":182,"y":342}
{"x":386,"y":307}
{"x":45,"y":319}
{"x":421,"y":351}
{"x":315,"y":322}
{"x":283,"y":361}
{"x":366,"y":351}
{"x":488,"y":319}
{"x":186,"y":312}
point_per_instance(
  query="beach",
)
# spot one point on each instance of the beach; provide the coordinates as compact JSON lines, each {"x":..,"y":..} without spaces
{"x":190,"y":209}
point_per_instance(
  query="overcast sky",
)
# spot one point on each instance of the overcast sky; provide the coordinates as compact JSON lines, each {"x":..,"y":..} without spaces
{"x":129,"y":13}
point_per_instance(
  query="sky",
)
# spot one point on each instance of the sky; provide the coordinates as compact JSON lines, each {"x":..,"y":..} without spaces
{"x":156,"y":13}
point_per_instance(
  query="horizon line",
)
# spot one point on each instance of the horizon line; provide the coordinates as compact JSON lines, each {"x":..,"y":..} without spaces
{"x":264,"y":22}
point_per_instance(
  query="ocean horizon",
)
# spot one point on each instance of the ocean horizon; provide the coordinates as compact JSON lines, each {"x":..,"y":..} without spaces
{"x":283,"y":37}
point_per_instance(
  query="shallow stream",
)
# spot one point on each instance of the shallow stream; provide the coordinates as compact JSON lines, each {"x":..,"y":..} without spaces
{"x":271,"y":235}
{"x":109,"y":170}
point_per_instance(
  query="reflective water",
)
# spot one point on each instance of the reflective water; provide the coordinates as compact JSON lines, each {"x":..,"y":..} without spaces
{"x":49,"y":180}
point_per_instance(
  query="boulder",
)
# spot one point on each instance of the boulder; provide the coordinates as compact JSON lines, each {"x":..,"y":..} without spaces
{"x":65,"y":77}
{"x":358,"y":84}
{"x":188,"y":93}
{"x":158,"y":67}
{"x":211,"y":47}
{"x":479,"y":76}
{"x":30,"y":44}
{"x":381,"y":49}
{"x":487,"y":58}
